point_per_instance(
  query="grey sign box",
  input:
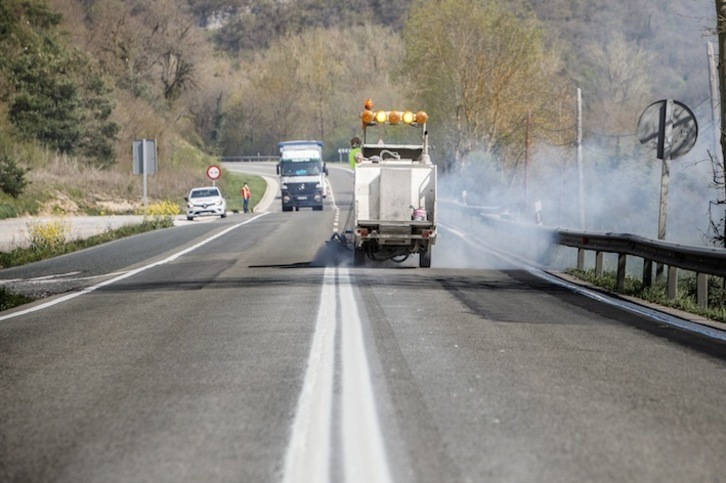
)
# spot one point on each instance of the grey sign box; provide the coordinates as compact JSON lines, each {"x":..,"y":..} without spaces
{"x":145,"y":148}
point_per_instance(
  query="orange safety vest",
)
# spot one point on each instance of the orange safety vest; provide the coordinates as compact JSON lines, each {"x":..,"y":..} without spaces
{"x":246,"y":193}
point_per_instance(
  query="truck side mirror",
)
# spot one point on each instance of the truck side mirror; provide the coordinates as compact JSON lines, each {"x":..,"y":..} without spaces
{"x":325,"y":169}
{"x":277,"y":166}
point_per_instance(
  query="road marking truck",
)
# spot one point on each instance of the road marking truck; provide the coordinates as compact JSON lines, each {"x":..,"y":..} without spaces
{"x":395,"y":189}
{"x":302,"y":175}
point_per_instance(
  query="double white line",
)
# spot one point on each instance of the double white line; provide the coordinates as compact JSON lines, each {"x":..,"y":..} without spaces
{"x":308,"y":455}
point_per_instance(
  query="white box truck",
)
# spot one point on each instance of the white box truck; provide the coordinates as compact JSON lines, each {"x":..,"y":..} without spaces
{"x":302,"y":175}
{"x":395,"y":191}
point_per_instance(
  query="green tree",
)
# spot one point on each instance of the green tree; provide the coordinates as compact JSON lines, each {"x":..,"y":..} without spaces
{"x":55,"y":94}
{"x":312,"y":86}
{"x":481,"y":69}
{"x":12,"y":176}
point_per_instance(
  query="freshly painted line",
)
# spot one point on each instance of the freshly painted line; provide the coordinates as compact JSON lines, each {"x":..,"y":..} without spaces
{"x":623,"y":304}
{"x":336,"y":218}
{"x":128,"y":274}
{"x":308,"y":452}
{"x":364,"y":454}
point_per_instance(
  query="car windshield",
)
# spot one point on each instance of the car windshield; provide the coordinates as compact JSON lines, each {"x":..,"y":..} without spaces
{"x":205,"y":193}
{"x":300,"y":168}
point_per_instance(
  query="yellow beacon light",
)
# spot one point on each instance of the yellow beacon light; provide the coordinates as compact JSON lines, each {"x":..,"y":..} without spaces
{"x":371,"y":117}
{"x":367,"y":116}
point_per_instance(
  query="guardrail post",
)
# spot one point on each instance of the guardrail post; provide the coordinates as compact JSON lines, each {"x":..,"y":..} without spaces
{"x":702,"y":289}
{"x":581,"y":259}
{"x":647,"y":273}
{"x":672,"y":282}
{"x":598,"y":263}
{"x":622,"y":261}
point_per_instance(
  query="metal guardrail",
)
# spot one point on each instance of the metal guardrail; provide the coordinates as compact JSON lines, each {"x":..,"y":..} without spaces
{"x":703,"y":261}
{"x":259,"y":157}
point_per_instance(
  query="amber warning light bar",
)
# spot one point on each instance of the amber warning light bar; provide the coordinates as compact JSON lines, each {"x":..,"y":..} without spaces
{"x":371,"y":117}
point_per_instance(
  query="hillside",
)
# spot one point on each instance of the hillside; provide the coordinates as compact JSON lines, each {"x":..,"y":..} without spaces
{"x":80,"y":79}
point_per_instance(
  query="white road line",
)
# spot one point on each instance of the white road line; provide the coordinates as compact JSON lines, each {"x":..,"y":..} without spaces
{"x":308,"y":453}
{"x":128,"y":274}
{"x":364,"y":453}
{"x":336,"y":218}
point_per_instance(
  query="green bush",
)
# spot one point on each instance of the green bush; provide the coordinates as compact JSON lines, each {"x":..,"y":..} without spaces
{"x":658,"y":292}
{"x":58,"y":96}
{"x":12,"y":177}
{"x":7,"y":211}
{"x":8,"y":300}
{"x":49,"y":236}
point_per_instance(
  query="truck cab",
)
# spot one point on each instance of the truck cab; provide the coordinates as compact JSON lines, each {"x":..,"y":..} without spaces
{"x":302,"y":174}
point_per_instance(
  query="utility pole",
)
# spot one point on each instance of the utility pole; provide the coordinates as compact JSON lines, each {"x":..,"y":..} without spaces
{"x":666,"y":147}
{"x":580,"y":173}
{"x":526,"y":163}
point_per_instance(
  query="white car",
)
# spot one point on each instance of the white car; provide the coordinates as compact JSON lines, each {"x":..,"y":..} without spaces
{"x":205,"y":201}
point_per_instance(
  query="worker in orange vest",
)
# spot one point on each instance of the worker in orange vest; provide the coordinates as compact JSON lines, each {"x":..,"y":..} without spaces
{"x":246,"y":195}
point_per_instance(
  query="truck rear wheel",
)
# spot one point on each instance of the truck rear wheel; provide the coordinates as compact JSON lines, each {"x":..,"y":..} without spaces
{"x":424,"y":258}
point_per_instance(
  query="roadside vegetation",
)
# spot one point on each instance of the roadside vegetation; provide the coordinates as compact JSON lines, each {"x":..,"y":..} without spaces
{"x":232,"y":190}
{"x":51,"y":239}
{"x":9,"y":300}
{"x":657,"y":293}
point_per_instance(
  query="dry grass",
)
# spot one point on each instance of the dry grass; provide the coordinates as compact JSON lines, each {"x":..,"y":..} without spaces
{"x":65,"y":185}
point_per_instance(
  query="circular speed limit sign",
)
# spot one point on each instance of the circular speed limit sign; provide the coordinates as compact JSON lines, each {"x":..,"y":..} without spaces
{"x":213,"y":172}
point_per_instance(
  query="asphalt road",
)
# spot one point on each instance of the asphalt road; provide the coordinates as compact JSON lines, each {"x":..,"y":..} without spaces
{"x":248,"y":349}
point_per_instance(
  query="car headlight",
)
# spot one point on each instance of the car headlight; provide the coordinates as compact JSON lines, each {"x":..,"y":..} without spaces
{"x":189,"y":205}
{"x":284,"y":186}
{"x":318,"y":186}
{"x":218,"y":202}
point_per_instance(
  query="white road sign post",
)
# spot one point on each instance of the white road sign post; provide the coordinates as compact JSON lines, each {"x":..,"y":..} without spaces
{"x":144,"y":160}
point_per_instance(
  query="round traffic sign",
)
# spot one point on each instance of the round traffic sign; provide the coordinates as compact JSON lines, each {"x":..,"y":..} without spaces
{"x":213,"y":172}
{"x":652,"y":126}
